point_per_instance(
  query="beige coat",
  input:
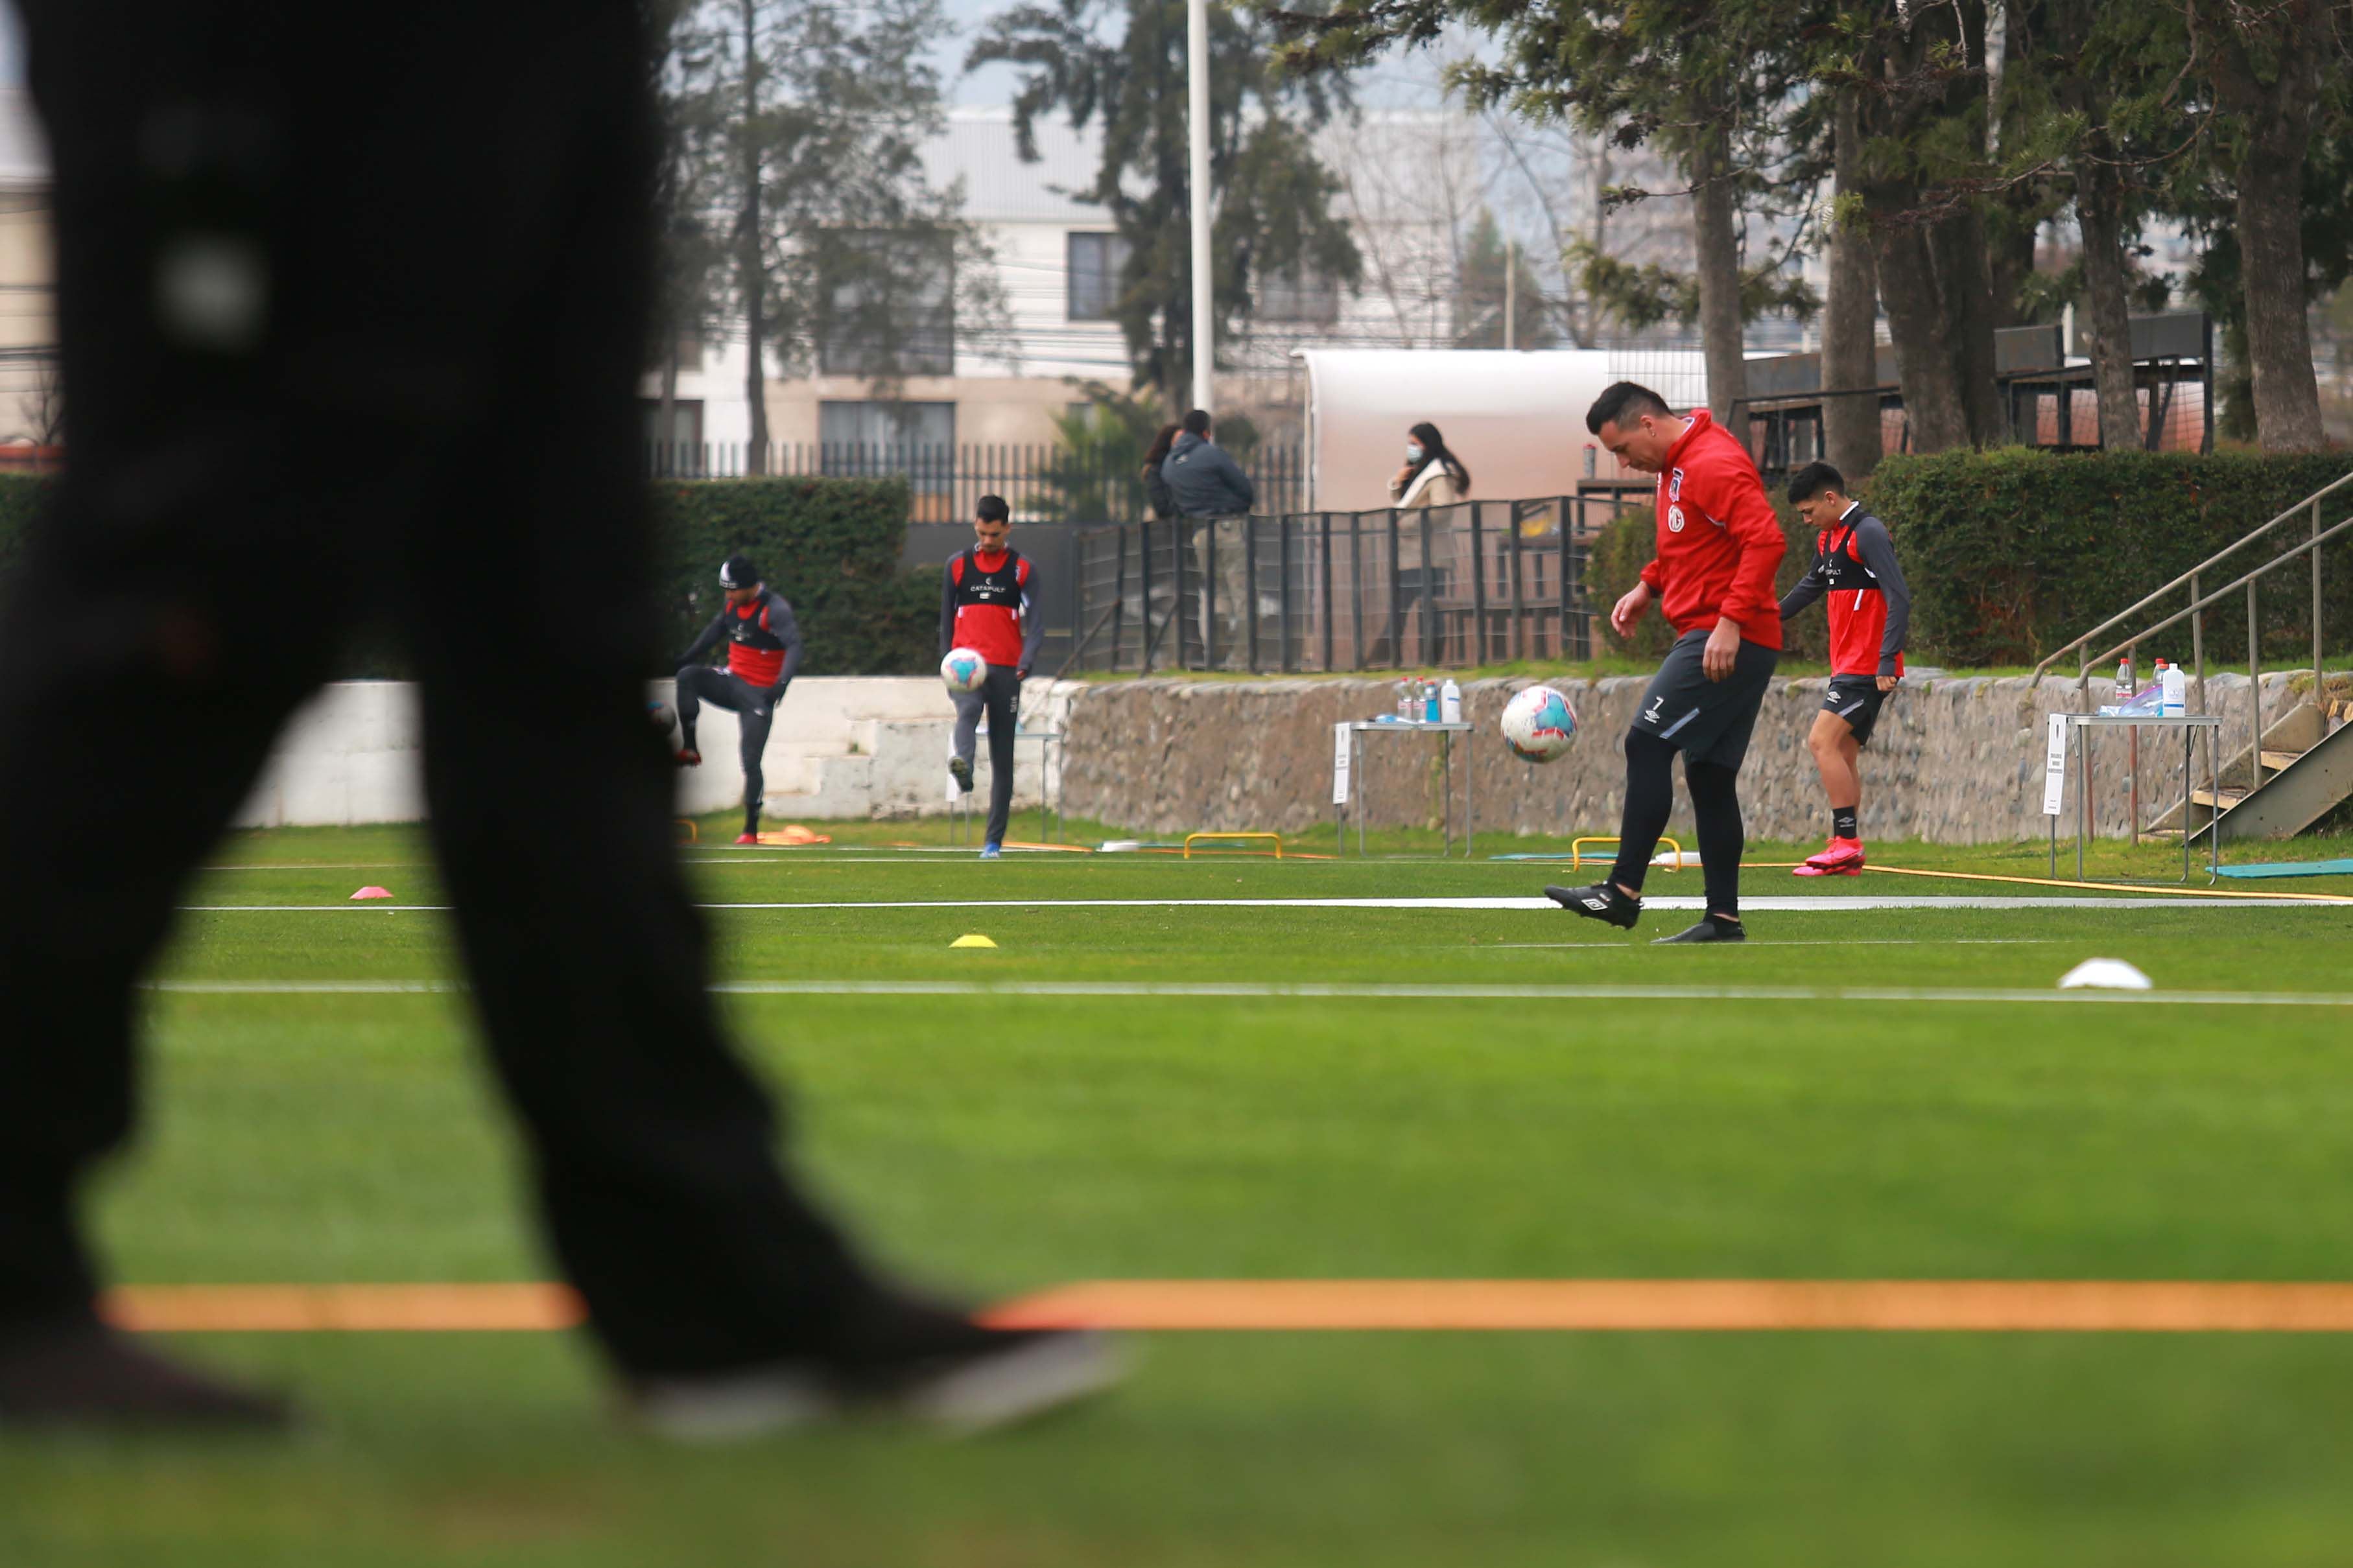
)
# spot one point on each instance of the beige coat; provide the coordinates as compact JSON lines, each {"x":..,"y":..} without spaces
{"x":1431,"y":487}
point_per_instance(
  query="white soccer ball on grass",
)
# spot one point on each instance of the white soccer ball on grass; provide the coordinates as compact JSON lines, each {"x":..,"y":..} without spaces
{"x":1539,"y":724}
{"x":964,"y":670}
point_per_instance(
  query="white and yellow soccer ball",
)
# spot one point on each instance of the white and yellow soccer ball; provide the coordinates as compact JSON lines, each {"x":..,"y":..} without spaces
{"x":964,"y":670}
{"x":1539,"y":724}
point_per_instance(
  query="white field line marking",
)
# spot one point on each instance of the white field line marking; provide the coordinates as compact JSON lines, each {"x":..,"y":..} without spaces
{"x":1827,"y":904}
{"x":1602,"y":944}
{"x":1246,"y":990}
{"x":320,"y":866}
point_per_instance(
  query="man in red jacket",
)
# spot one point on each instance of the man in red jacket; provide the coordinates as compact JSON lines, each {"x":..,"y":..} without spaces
{"x":1718,"y":547}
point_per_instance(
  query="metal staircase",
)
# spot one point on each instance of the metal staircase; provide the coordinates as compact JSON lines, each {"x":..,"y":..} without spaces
{"x":2300,"y":765}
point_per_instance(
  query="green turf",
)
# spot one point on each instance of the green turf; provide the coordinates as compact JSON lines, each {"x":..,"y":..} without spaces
{"x":1003,"y":1142}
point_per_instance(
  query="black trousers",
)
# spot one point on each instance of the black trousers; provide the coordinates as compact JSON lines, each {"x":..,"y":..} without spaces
{"x":754,"y":707}
{"x":1001,"y":699}
{"x":361,"y":328}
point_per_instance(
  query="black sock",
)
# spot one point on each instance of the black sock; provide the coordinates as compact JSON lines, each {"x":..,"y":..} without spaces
{"x":1843,"y":824}
{"x":686,"y":739}
{"x":1715,"y":805}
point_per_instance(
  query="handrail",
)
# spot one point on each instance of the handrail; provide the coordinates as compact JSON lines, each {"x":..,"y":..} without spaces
{"x":2271,"y":566}
{"x":2306,"y":504}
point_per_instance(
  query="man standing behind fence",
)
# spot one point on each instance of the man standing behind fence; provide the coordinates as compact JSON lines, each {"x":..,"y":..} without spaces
{"x":987,"y":599}
{"x":1210,"y":485}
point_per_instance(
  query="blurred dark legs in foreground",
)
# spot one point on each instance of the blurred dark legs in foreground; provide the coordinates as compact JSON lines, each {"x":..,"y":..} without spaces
{"x":351,"y":333}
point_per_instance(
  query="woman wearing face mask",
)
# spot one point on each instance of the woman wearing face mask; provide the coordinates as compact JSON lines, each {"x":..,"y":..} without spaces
{"x":1432,"y":475}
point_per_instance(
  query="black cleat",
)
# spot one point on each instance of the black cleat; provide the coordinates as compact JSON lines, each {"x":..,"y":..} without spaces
{"x":1710,"y":929}
{"x":960,"y":769}
{"x":82,"y":1375}
{"x":1602,"y":901}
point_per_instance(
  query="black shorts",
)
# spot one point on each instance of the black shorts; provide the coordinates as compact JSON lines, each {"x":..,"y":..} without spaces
{"x":1711,"y":721}
{"x":1857,"y":699}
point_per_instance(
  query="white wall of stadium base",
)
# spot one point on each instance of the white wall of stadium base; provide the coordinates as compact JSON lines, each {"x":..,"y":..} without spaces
{"x":840,"y":747}
{"x":1953,"y":761}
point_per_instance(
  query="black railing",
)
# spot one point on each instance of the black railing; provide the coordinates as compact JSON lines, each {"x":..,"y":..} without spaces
{"x":1041,"y":483}
{"x":1457,"y":586}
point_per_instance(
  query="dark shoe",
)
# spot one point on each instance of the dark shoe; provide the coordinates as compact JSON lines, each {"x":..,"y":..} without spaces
{"x":912,"y":1359}
{"x":960,"y":769}
{"x":1709,"y":929}
{"x":1602,"y":901}
{"x":80,"y":1374}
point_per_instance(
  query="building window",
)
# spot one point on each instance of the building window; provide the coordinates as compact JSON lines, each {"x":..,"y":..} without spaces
{"x":1304,"y":298}
{"x":891,"y":301}
{"x":872,"y":439}
{"x":1096,"y":261}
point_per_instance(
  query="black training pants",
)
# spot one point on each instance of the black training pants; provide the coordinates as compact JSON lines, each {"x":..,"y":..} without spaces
{"x":754,"y":707}
{"x":1001,"y":699}
{"x":341,"y":321}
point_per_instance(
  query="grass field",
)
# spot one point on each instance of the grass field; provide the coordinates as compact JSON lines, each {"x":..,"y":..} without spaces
{"x":1001,"y":1140}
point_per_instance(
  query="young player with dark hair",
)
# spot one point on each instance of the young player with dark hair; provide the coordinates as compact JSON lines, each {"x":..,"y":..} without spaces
{"x":985,"y":606}
{"x":1718,"y":547}
{"x":763,"y":650}
{"x":1870,"y":610}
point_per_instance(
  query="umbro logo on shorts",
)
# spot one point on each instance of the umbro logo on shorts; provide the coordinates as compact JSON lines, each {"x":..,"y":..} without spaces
{"x":1652,"y":715}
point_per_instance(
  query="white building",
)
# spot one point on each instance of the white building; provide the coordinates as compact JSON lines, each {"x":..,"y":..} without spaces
{"x":1410,"y":187}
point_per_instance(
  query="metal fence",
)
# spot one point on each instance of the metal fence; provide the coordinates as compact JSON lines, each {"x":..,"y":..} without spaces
{"x":1474,"y":584}
{"x":1041,"y":483}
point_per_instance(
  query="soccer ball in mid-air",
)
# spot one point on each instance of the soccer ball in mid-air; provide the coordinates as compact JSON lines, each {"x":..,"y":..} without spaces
{"x":1539,"y":724}
{"x":964,"y":670}
{"x":659,"y":715}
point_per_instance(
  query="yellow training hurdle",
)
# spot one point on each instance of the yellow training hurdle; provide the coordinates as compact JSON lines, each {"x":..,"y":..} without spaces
{"x":1193,"y":838}
{"x":1577,"y":851}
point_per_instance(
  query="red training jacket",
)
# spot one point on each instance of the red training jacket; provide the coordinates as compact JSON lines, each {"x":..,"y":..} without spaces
{"x":1719,"y":542}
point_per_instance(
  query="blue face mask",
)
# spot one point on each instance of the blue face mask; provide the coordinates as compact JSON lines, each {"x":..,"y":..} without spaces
{"x":1413,"y":452}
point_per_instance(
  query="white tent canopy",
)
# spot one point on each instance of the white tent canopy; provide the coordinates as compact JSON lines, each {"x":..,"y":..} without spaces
{"x":1517,"y":420}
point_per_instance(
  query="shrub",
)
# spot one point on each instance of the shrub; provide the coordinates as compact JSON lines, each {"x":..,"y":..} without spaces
{"x":831,"y":546}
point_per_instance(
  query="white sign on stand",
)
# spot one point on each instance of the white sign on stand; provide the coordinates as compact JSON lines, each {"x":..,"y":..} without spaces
{"x":2055,"y":765}
{"x":1340,"y":750}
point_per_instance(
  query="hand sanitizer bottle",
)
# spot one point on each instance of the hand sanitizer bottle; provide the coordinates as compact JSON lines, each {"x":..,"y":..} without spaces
{"x":1450,"y":703}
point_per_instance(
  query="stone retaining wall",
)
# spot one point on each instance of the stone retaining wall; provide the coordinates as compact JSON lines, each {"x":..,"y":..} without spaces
{"x":1953,"y":761}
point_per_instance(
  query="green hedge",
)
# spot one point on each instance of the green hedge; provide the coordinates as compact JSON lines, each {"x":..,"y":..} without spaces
{"x":831,"y":546}
{"x":2012,"y":553}
{"x":20,"y":497}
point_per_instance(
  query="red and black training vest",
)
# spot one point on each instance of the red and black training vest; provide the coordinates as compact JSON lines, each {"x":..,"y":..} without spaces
{"x":988,"y":603}
{"x":753,"y":652}
{"x":1858,"y":609}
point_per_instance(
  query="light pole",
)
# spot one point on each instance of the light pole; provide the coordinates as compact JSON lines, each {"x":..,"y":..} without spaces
{"x":1197,"y":81}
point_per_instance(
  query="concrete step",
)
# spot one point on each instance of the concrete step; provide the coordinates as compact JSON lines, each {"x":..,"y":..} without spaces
{"x":2228,"y":797}
{"x":2275,"y":761}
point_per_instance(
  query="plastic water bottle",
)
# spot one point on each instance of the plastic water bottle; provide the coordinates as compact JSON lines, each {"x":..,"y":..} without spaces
{"x":1405,"y":701}
{"x":2176,"y":685}
{"x":1450,"y":702}
{"x":2124,"y":681}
